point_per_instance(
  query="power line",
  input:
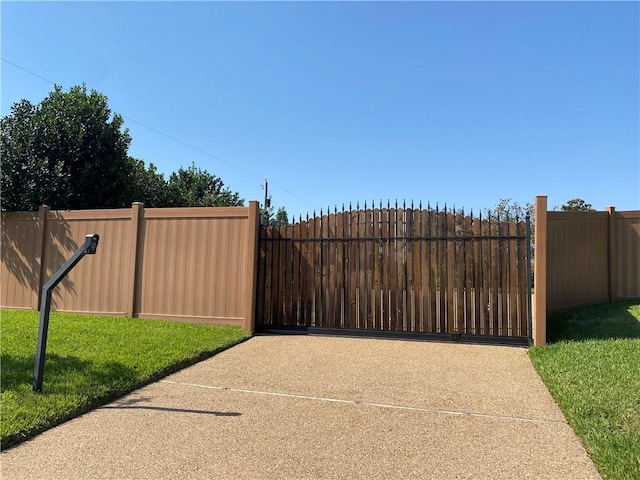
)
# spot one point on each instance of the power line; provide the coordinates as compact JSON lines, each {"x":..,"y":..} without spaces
{"x":191,"y":146}
{"x":199,"y":150}
{"x":29,"y":71}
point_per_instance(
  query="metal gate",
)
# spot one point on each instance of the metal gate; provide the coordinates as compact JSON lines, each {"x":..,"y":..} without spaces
{"x":410,"y":272}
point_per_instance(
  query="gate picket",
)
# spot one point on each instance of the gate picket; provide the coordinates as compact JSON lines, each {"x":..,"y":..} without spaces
{"x":468,"y":279}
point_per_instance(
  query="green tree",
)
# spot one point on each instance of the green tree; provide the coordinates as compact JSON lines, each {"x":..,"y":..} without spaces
{"x":577,"y":205}
{"x":507,"y":207}
{"x":267,"y":217}
{"x":281,"y":219}
{"x":147,"y":185}
{"x":194,"y":187}
{"x":68,"y":152}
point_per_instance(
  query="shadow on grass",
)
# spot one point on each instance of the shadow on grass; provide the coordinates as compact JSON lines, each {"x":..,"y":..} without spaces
{"x":71,"y":375}
{"x":71,"y":387}
{"x":598,"y":322}
{"x":65,"y":375}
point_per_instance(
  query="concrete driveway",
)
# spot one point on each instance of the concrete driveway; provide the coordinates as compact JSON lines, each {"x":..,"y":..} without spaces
{"x":322,"y":407}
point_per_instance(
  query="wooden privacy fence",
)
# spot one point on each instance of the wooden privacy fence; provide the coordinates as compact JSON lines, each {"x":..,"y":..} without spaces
{"x":186,"y":264}
{"x":377,"y":270}
{"x":403,"y":270}
{"x":591,"y":257}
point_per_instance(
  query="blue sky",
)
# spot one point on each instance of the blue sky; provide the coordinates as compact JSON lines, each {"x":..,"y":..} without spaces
{"x":461,"y":103}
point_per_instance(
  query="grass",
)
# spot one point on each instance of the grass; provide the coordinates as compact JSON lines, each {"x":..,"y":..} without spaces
{"x":90,"y":360}
{"x":591,"y":366}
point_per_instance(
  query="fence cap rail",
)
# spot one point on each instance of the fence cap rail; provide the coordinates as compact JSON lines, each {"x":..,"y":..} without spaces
{"x":111,"y":214}
{"x":633,"y":214}
{"x":197,"y":212}
{"x":554,"y":215}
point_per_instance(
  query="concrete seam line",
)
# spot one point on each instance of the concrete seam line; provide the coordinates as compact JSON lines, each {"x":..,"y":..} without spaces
{"x":370,"y":404}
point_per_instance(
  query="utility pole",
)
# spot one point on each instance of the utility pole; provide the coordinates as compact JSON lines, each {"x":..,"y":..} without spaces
{"x":267,"y":202}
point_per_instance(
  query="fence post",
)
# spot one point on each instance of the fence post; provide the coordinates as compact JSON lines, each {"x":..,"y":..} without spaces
{"x":613,"y":255}
{"x":540,"y":272}
{"x":137,"y":211}
{"x":40,"y":255}
{"x":251,"y":271}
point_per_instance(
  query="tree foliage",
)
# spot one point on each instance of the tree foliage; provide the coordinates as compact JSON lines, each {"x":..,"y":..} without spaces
{"x":70,"y":152}
{"x":148,"y":185}
{"x":281,"y":218}
{"x":194,"y":187}
{"x":577,"y":205}
{"x":506,"y":207}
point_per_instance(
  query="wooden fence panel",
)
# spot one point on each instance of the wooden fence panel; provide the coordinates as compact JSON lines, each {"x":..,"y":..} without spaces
{"x":194,"y":264}
{"x":100,"y":283}
{"x":21,"y":252}
{"x":627,"y":258}
{"x":577,"y":258}
{"x":187,"y":264}
{"x":583,"y":258}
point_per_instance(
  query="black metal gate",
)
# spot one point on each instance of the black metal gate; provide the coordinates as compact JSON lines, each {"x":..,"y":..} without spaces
{"x":411,"y":272}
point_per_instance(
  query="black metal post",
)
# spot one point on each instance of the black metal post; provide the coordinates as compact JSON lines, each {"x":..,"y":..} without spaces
{"x":88,"y":248}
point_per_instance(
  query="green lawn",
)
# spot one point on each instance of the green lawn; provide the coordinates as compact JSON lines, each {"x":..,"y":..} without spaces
{"x":90,"y":360}
{"x":591,"y":366}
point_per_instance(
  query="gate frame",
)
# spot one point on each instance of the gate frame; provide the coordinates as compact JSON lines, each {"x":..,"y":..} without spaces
{"x":262,"y":301}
